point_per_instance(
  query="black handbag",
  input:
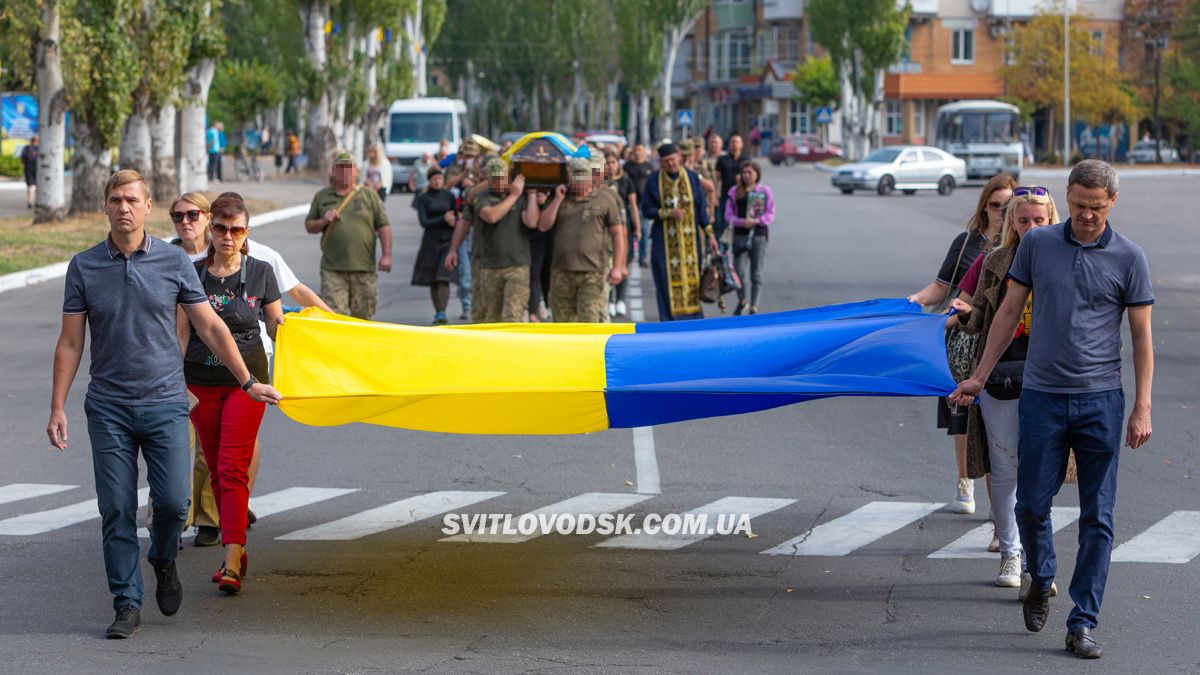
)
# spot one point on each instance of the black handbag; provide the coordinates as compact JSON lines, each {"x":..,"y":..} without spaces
{"x":1004,"y":382}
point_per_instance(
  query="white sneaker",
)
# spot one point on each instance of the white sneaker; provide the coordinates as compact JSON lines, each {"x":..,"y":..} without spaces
{"x":1010,"y":571}
{"x":612,"y":310}
{"x":964,"y":500}
{"x":622,"y":310}
{"x":1027,"y":583}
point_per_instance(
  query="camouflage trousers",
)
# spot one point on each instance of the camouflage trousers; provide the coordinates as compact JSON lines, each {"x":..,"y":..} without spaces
{"x":503,"y":293}
{"x":579,"y":296}
{"x":350,"y":293}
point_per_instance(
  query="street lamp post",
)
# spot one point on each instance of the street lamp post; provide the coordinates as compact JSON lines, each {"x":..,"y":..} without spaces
{"x":1066,"y":158}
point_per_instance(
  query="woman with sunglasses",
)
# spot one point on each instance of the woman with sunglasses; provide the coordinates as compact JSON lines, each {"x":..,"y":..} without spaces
{"x":982,"y":229}
{"x":1028,"y":208}
{"x":226,"y":418}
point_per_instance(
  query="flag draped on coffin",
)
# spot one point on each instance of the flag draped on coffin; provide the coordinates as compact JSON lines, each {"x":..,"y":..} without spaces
{"x":579,"y":378}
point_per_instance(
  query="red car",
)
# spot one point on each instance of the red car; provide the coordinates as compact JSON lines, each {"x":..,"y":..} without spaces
{"x":792,"y":149}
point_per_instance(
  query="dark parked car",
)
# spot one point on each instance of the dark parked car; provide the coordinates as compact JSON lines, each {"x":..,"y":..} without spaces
{"x":802,"y":148}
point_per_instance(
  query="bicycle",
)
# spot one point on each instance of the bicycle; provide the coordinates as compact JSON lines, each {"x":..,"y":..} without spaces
{"x":246,"y":166}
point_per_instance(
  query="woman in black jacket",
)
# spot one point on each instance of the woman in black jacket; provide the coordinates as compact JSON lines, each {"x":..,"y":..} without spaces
{"x":436,"y":212}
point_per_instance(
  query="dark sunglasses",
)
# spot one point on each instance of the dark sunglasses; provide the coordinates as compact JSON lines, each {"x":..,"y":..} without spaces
{"x":192,"y":216}
{"x":1034,"y":190}
{"x":221,"y":229}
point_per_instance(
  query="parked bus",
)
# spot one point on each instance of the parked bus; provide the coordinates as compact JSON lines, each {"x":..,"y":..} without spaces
{"x":416,"y":126}
{"x":985,"y":134}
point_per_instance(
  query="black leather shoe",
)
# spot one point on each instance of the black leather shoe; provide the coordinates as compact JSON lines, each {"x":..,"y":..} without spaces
{"x":1036,"y":608}
{"x":169,"y":593}
{"x":1081,"y":644}
{"x":207,"y":535}
{"x":128,"y":622}
{"x":250,"y":518}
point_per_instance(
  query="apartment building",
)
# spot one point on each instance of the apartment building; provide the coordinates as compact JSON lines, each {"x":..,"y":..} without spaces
{"x":735,"y":67}
{"x":956,"y":49}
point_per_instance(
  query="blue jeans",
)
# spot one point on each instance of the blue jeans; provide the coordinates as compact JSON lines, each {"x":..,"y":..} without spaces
{"x":1052,"y":424}
{"x":117,"y":432}
{"x":464,"y":273}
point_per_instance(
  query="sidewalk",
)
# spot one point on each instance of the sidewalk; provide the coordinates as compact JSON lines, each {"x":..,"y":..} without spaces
{"x":280,"y":190}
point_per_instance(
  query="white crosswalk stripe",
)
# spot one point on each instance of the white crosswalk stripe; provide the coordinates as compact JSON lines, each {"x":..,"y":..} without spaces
{"x":844,"y":535}
{"x":278,"y":502}
{"x":18,"y":491}
{"x":591,"y":503}
{"x":390,"y":516}
{"x":736,"y":506}
{"x":55,"y":519}
{"x":1174,"y":539}
{"x":973,"y":545}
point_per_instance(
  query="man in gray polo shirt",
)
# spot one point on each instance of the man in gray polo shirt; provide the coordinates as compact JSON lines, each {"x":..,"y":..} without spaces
{"x":1084,"y":276}
{"x":126,"y":289}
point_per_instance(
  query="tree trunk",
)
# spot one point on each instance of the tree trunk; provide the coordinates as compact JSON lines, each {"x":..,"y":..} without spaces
{"x":414,"y":29}
{"x":163,"y":182}
{"x":644,"y":120}
{"x":321,"y":138}
{"x":90,"y":167}
{"x":193,"y":161}
{"x":611,"y":109}
{"x":51,"y":198}
{"x":632,"y":123}
{"x":135,"y":141}
{"x":535,"y":107}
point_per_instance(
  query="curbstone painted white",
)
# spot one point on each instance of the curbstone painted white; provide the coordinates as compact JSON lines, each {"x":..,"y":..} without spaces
{"x":12,"y":185}
{"x":9,"y":282}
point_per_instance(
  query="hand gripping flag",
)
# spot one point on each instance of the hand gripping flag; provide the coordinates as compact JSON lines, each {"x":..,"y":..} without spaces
{"x":579,"y":378}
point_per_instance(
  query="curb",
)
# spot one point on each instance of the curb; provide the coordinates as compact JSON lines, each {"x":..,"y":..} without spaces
{"x":1124,"y":171}
{"x":12,"y":185}
{"x":824,"y":168}
{"x":9,"y":282}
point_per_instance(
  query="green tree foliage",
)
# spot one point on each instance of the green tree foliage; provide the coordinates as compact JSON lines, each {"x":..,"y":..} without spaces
{"x":19,"y":25}
{"x":242,"y":89}
{"x":101,"y":64}
{"x":1181,"y":73}
{"x":816,"y":82}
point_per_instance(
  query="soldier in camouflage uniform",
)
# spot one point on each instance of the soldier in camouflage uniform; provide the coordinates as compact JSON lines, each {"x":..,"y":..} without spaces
{"x":582,"y":268}
{"x":504,"y":218}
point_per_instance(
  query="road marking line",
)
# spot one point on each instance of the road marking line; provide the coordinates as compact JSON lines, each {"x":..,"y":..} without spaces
{"x":844,"y":535}
{"x":56,"y":519}
{"x":973,"y":545}
{"x":18,"y":491}
{"x":278,"y":502}
{"x":1174,"y":539}
{"x":736,"y":506}
{"x":646,"y":461}
{"x":390,"y":516}
{"x":592,"y":503}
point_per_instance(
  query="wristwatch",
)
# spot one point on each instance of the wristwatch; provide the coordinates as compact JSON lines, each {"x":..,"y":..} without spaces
{"x":249,"y":383}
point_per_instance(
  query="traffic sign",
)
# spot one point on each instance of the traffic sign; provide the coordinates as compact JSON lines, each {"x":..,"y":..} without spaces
{"x":824,"y":115}
{"x":684,"y":117}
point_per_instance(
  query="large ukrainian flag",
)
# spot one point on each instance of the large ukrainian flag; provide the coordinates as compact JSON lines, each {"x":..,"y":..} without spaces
{"x":578,"y":378}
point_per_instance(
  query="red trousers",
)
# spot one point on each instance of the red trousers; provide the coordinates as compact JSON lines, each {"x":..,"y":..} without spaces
{"x":227,"y":421}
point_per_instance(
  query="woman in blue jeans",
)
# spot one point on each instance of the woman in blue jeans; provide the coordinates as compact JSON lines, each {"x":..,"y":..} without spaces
{"x":1028,"y":208}
{"x":750,"y":210}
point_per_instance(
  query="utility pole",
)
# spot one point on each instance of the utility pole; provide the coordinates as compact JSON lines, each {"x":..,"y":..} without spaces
{"x":1066,"y":157}
{"x":1158,"y":46}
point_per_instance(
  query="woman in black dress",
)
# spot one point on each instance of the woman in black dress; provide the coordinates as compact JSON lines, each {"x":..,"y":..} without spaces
{"x":436,"y":212}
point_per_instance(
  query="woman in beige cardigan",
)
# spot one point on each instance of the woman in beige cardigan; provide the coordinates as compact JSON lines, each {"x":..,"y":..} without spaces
{"x":1028,"y":208}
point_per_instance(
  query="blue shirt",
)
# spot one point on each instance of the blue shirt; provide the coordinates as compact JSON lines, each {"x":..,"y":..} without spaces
{"x":1080,"y":294}
{"x":214,"y":140}
{"x":130,"y":306}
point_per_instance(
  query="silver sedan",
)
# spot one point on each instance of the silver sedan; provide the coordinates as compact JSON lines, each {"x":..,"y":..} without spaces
{"x":907,"y":168}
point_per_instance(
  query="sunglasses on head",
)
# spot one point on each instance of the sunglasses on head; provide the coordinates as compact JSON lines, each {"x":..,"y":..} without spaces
{"x":192,"y":216}
{"x":1033,"y":191}
{"x":221,"y":229}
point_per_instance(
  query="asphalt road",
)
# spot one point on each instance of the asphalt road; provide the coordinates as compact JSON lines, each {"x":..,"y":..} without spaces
{"x":400,"y":599}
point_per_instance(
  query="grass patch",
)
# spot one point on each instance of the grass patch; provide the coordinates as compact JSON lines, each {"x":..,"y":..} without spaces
{"x":24,"y":245}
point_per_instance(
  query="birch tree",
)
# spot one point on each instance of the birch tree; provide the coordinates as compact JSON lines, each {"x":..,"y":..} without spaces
{"x":51,"y":198}
{"x":207,"y":45}
{"x":677,"y":18}
{"x":863,"y":38}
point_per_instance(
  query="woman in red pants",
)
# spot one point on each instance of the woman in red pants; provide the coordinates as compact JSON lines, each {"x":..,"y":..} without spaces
{"x":226,"y":418}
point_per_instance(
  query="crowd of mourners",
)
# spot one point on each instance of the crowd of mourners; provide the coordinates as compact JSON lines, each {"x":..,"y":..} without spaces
{"x":1039,"y":395}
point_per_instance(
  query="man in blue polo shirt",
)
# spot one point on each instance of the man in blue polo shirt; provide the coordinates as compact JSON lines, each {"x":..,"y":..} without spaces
{"x":1084,"y":276}
{"x":126,"y":289}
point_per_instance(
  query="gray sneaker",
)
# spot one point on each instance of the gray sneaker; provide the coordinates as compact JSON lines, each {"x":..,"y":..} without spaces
{"x":1010,"y":571}
{"x":128,"y":622}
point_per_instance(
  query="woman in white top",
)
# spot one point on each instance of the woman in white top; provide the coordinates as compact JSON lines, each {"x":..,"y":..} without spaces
{"x":377,"y":172}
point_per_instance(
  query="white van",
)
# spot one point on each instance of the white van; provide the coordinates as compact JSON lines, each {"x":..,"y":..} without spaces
{"x":416,"y":126}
